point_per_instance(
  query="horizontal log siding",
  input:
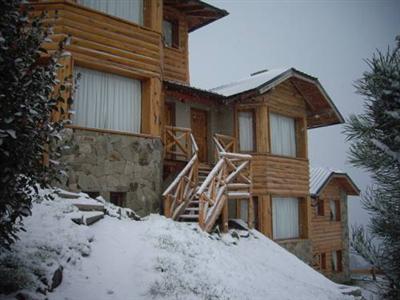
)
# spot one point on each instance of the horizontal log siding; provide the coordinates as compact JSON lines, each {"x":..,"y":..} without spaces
{"x":286,"y":100}
{"x":104,"y":42}
{"x":326,"y":235}
{"x":281,"y":176}
{"x":176,"y":60}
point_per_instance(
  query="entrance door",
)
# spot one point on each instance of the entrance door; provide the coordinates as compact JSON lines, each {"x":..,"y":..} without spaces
{"x":169,"y":114}
{"x":199,"y":130}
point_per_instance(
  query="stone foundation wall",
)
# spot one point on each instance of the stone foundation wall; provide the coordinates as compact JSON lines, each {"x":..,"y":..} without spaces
{"x":301,"y":248}
{"x":108,"y":162}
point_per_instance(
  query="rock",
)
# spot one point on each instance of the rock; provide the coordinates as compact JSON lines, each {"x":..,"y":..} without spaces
{"x":26,"y":296}
{"x":356,"y":292}
{"x":57,"y":278}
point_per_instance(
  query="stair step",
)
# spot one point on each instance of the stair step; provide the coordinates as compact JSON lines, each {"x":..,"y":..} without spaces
{"x":238,"y":195}
{"x":192,"y":209}
{"x":189,"y":217}
{"x":238,"y":185}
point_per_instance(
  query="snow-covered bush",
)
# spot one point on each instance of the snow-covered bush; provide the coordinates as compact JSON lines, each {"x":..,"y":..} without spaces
{"x":27,"y":98}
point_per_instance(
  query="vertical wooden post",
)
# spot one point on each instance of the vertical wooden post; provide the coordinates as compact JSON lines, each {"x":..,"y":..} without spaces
{"x":251,"y":212}
{"x":167,"y":206}
{"x":225,"y":216}
{"x":251,"y":203}
{"x":201,"y":212}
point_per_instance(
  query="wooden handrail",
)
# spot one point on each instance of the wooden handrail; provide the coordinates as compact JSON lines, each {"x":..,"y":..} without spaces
{"x":232,"y":169}
{"x":180,"y":192}
{"x":179,"y":143}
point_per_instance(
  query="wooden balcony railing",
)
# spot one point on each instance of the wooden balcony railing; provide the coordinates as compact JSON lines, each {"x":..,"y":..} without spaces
{"x":229,"y":179}
{"x":179,"y":143}
{"x":224,"y":143}
{"x":182,"y":190}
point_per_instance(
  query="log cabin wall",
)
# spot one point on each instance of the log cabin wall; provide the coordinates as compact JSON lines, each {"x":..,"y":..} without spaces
{"x":275,"y":175}
{"x":110,"y":44}
{"x":176,"y":59}
{"x":329,"y":235}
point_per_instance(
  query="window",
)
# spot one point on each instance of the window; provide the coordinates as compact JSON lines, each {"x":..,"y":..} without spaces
{"x":337,"y":261}
{"x":283,"y":135}
{"x":285,"y":218}
{"x":131,"y":10}
{"x":323,"y":261}
{"x":320,"y":207}
{"x":107,"y":101}
{"x":118,"y":198}
{"x":334,"y":206}
{"x":244,"y":210}
{"x":246,"y":130}
{"x":171,"y":33}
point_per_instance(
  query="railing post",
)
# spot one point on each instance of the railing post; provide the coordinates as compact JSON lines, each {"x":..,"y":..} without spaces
{"x":225,"y":216}
{"x":167,"y":206}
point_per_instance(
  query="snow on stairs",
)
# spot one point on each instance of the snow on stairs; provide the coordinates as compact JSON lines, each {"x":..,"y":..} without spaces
{"x":90,"y":211}
{"x":191,"y":213}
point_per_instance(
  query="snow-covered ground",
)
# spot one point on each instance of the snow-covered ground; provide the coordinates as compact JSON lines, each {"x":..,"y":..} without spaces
{"x":118,"y":258}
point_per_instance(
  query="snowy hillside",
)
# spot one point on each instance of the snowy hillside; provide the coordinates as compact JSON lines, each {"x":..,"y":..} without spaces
{"x":119,"y":258}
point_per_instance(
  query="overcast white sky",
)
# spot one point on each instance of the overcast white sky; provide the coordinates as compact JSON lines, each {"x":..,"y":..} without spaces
{"x":326,"y":39}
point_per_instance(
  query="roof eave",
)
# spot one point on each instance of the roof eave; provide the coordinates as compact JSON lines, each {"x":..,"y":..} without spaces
{"x":330,"y":177}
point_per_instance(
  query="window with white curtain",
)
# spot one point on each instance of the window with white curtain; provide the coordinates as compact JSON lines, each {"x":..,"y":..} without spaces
{"x":332,"y":207}
{"x":107,"y":101}
{"x":283,"y":135}
{"x":285,"y":217}
{"x":334,"y":261}
{"x":131,"y":10}
{"x":167,"y":33}
{"x":246,"y":131}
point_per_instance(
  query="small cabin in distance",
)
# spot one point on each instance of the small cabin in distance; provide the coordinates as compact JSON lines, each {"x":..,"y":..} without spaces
{"x":329,"y":191}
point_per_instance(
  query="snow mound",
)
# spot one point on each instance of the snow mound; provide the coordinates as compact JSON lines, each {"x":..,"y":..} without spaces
{"x":157,"y":258}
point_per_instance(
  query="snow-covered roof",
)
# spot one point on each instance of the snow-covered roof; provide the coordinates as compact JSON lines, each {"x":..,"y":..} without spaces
{"x":249,"y":83}
{"x":323,"y":111}
{"x":319,"y":178}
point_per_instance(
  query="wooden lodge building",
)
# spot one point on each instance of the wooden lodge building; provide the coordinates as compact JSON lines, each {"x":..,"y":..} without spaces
{"x":142,"y":137}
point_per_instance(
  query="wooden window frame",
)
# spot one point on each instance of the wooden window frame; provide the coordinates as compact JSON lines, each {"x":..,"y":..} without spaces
{"x":144,"y":87}
{"x":253,"y":113}
{"x":175,"y":43}
{"x":339,"y":261}
{"x":338,"y":211}
{"x":270,"y":133}
{"x":302,"y":210}
{"x":320,"y":208}
{"x":322,"y":261}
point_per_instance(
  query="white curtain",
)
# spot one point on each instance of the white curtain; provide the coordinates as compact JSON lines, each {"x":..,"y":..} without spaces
{"x":244,"y":210}
{"x":332,"y":206}
{"x":107,"y":101}
{"x":334,"y":261}
{"x":246,"y":134}
{"x":283,"y":135}
{"x":167,"y":33}
{"x":131,"y":10}
{"x":285,"y":218}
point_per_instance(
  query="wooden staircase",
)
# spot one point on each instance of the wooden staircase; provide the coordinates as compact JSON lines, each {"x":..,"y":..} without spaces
{"x":191,"y":213}
{"x":201,"y":192}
